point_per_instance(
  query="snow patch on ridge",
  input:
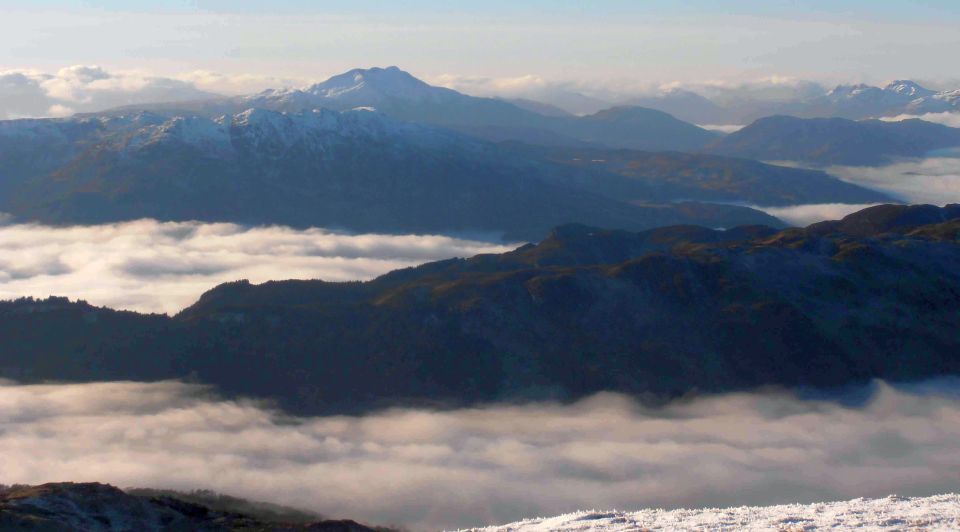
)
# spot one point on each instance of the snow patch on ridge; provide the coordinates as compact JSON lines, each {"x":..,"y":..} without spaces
{"x":940,"y":512}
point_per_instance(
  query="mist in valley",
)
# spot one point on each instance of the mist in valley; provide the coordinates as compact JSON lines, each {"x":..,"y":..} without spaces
{"x":429,"y":469}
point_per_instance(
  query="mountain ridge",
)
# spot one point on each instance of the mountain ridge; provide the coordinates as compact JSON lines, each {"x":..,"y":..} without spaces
{"x":70,"y":506}
{"x":655,"y":314}
{"x":402,"y":96}
{"x":835,"y":141}
{"x":359,"y":170}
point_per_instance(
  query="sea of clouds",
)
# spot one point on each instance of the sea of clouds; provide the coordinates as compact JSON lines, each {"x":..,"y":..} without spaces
{"x":154,"y":266}
{"x":428,"y":469}
{"x":934,"y":180}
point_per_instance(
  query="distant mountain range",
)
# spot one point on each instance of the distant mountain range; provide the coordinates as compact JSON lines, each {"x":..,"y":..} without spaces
{"x":404,"y":97}
{"x":855,"y":102}
{"x":669,"y":176}
{"x":654,"y":123}
{"x":71,"y":507}
{"x":835,"y":141}
{"x":657,"y":313}
{"x":424,"y":161}
{"x":357,"y":170}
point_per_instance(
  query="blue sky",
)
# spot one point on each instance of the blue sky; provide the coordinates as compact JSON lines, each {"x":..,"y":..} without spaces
{"x":613,"y":41}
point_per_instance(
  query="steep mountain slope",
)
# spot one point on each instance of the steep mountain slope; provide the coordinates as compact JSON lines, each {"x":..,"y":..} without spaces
{"x":68,"y":506}
{"x":658,"y":313}
{"x":358,"y":170}
{"x":666,"y":176}
{"x":826,"y":141}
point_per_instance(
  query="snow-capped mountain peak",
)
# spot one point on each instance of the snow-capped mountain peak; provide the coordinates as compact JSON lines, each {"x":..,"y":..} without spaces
{"x":852,"y":91}
{"x":907,"y":88}
{"x":374,"y":84}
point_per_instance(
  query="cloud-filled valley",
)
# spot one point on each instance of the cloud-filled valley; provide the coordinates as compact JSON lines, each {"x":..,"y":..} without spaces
{"x":162,"y":267}
{"x":934,"y":180}
{"x":492,"y":464}
{"x":154,"y":266}
{"x":485,"y":267}
{"x":804,"y":215}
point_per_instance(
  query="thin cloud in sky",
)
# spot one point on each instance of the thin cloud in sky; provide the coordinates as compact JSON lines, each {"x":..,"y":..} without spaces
{"x":653,"y":41}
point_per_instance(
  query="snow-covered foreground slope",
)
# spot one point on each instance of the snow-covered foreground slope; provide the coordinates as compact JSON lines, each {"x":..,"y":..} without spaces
{"x":940,"y":512}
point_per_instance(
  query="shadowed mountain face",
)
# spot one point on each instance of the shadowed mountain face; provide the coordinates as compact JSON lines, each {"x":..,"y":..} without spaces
{"x":68,"y":506}
{"x":357,"y":170}
{"x":669,"y":176}
{"x":657,"y":313}
{"x":829,"y":141}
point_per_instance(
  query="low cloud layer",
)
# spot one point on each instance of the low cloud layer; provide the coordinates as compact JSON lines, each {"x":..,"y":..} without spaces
{"x":429,"y":469}
{"x":82,"y":88}
{"x":804,"y":215}
{"x":951,"y":119}
{"x":163,"y":267}
{"x":934,"y":180}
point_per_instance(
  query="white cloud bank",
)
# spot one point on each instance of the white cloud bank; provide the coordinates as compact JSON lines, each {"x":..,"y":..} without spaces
{"x":29,"y":93}
{"x":79,"y":88}
{"x":951,"y":119}
{"x":804,"y":215}
{"x":163,"y":267}
{"x":430,"y":469}
{"x":934,"y":180}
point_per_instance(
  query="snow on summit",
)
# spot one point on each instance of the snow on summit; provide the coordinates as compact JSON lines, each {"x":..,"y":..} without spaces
{"x":905,"y":87}
{"x":373,"y":84}
{"x":940,"y":512}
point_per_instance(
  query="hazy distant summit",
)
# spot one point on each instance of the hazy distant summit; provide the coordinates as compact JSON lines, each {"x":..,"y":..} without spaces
{"x":367,"y":85}
{"x":829,"y":141}
{"x":402,"y":96}
{"x":744,"y":104}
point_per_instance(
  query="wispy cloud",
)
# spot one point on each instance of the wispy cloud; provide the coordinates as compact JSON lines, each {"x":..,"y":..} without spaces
{"x":29,"y":93}
{"x":163,"y":267}
{"x":430,"y":469}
